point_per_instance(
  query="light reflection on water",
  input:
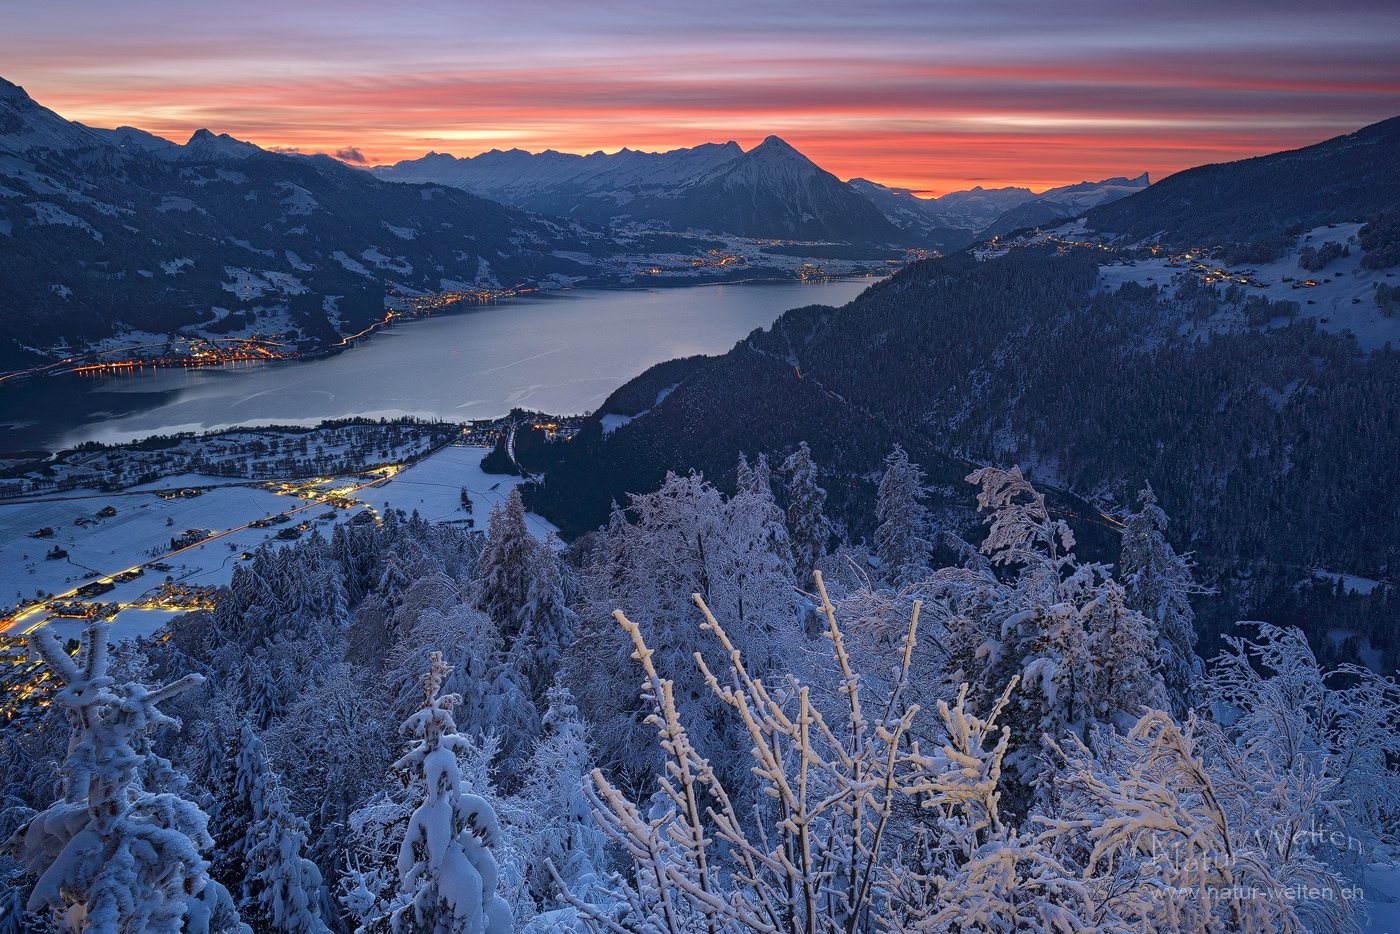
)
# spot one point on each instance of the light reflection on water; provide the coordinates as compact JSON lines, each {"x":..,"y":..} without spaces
{"x":562,"y":353}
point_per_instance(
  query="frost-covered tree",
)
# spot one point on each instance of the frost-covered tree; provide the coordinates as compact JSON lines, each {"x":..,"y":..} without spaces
{"x":258,"y":844}
{"x":808,"y":526}
{"x":545,"y":624}
{"x":1160,"y":585}
{"x":900,"y":540}
{"x":332,"y":748}
{"x":503,"y":572}
{"x":120,"y":850}
{"x":1337,"y":730}
{"x":446,"y":873}
{"x":753,"y":501}
{"x":813,"y":860}
{"x":561,"y":828}
{"x":1179,"y":832}
{"x":1061,"y":629}
{"x":509,"y":714}
{"x":685,"y":538}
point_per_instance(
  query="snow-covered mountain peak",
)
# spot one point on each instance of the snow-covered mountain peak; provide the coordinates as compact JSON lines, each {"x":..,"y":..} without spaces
{"x":205,"y":145}
{"x":24,"y":125}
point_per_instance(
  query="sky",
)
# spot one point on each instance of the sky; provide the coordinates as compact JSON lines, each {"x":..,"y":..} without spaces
{"x":930,"y":96}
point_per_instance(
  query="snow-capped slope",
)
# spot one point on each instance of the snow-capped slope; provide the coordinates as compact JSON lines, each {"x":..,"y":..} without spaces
{"x":960,"y":217}
{"x":134,"y":140}
{"x":770,"y":191}
{"x":25,"y":126}
{"x":516,"y":174}
{"x":1069,"y":201}
{"x":205,"y":146}
{"x":102,"y":231}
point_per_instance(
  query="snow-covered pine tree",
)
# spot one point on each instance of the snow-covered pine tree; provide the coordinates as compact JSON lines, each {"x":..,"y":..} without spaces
{"x":900,"y":539}
{"x":120,"y":850}
{"x":562,"y":829}
{"x":258,"y":845}
{"x":545,"y":623}
{"x":508,"y":712}
{"x":753,"y":504}
{"x":447,"y":875}
{"x":503,"y":571}
{"x":1160,"y":585}
{"x":808,"y":527}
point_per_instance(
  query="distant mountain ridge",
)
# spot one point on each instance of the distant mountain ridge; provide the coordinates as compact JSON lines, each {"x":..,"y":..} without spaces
{"x":959,"y":218}
{"x":770,"y":191}
{"x":105,"y":230}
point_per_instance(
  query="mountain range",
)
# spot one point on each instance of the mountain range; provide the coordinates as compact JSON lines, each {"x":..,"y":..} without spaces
{"x":111,"y":232}
{"x":952,"y":221}
{"x":1268,"y":439}
{"x":1255,"y":202}
{"x":108,"y":231}
{"x":770,"y":191}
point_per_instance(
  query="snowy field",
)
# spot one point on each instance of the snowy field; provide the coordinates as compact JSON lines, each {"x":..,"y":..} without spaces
{"x":1342,"y":299}
{"x":434,"y":487}
{"x":139,"y":533}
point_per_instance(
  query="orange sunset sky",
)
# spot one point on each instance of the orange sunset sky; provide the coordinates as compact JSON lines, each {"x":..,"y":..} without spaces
{"x":929,"y":96}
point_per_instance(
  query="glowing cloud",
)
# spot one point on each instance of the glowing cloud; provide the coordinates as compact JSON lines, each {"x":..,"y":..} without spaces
{"x":930,"y":96}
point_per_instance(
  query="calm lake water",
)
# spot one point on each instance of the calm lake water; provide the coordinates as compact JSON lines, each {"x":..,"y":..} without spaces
{"x":562,"y":353}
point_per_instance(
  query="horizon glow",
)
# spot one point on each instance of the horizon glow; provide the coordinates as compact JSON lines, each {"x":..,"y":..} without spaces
{"x":928,"y":96}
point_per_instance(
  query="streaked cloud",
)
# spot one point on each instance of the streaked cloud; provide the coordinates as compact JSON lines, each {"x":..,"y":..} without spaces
{"x":925,"y":95}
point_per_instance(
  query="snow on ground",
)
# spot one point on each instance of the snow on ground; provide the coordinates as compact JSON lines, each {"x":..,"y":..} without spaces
{"x":1343,"y":297}
{"x":112,"y":544}
{"x":433,"y":486}
{"x":138,"y":535}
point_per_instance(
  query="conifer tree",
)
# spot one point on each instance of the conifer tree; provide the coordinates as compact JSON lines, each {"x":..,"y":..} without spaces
{"x":900,"y":540}
{"x":259,"y":842}
{"x":808,"y":527}
{"x":545,"y":623}
{"x":446,"y":873}
{"x":120,"y":849}
{"x":1160,"y":585}
{"x":563,"y":830}
{"x":503,"y":571}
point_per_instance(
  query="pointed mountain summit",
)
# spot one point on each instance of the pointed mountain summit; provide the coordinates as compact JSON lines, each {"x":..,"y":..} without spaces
{"x":773,"y":190}
{"x":204,"y":145}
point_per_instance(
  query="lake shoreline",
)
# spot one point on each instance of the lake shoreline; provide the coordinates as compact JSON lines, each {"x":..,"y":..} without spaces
{"x":560,"y":351}
{"x":85,"y":361}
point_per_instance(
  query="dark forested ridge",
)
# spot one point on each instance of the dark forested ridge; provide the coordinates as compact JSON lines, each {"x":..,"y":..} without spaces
{"x":1348,"y":177}
{"x":1273,"y":449}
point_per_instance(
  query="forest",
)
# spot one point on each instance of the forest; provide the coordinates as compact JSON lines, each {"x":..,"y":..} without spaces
{"x":1269,"y":439}
{"x":710,"y":715}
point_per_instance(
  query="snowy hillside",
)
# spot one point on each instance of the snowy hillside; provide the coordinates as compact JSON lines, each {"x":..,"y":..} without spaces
{"x":112,"y":232}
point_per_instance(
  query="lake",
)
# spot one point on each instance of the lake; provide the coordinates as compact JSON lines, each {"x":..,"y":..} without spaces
{"x":561,"y":353}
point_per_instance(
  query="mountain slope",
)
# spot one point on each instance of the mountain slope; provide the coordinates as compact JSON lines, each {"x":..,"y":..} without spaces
{"x":1059,"y":203}
{"x":1357,"y":175}
{"x":952,"y":221}
{"x":102,"y":230}
{"x":1271,"y":447}
{"x":771,"y":191}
